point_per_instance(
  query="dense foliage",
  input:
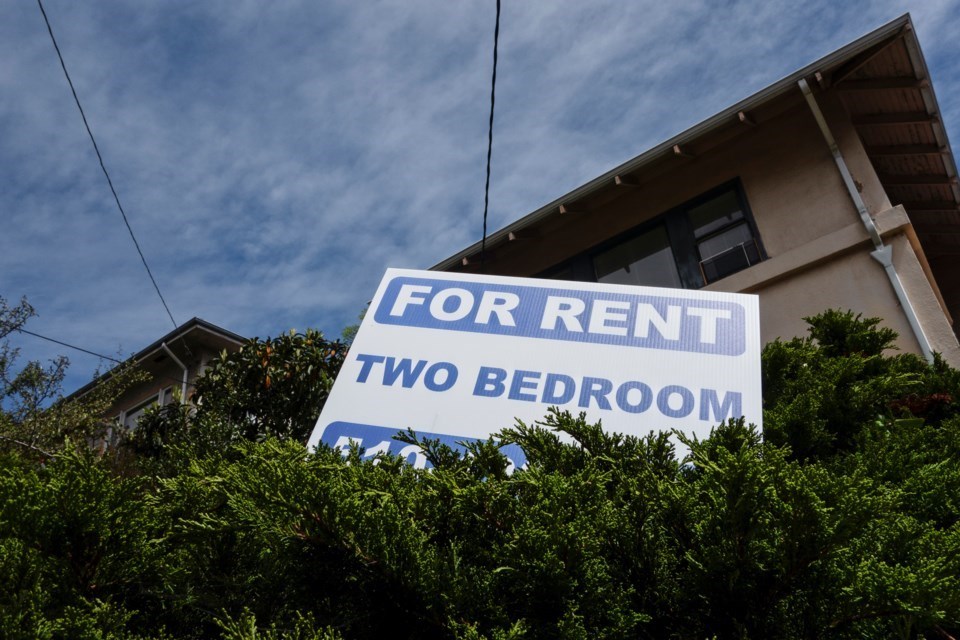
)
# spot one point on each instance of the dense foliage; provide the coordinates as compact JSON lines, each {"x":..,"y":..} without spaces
{"x":270,"y":388}
{"x":844,"y":522}
{"x":33,"y":419}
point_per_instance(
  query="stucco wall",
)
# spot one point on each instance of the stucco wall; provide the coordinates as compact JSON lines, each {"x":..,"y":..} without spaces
{"x":163,"y":375}
{"x":924,"y":298}
{"x":818,"y":251}
{"x":837,"y":271}
{"x":853,"y":281}
{"x":788,"y":175}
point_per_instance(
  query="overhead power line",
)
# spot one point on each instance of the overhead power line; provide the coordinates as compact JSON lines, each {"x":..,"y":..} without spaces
{"x":103,"y":166}
{"x":493,"y":94}
{"x":93,"y":353}
{"x":69,"y":346}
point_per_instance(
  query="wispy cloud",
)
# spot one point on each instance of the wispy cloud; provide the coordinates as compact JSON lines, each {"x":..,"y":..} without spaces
{"x":275,"y":158}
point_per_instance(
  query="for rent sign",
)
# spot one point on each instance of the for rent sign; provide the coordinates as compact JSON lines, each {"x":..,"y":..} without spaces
{"x":457,"y":357}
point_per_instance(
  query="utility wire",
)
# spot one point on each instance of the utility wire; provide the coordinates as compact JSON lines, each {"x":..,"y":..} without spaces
{"x":103,"y":166}
{"x":87,"y":351}
{"x":493,"y":93}
{"x":69,"y":346}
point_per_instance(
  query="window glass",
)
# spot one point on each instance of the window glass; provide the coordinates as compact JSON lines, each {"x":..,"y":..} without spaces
{"x":727,"y":239}
{"x":564,"y":273}
{"x":131,"y":417}
{"x":645,"y":259}
{"x":724,"y":240}
{"x":712,"y":238}
{"x":736,"y":258}
{"x":715,"y":214}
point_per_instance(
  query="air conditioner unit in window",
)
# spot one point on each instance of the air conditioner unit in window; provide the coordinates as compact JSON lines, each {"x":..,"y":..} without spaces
{"x":729,"y":261}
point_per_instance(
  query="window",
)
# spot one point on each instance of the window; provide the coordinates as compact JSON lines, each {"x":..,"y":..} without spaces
{"x":130,"y":417}
{"x":725,"y":241}
{"x":646,"y":258}
{"x":697,"y":243}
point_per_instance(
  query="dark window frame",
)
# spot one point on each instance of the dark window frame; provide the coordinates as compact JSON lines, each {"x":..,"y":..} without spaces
{"x":680,"y":232}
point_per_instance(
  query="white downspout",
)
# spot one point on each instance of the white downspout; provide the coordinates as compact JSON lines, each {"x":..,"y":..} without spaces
{"x":183,"y":389}
{"x":882,"y":253}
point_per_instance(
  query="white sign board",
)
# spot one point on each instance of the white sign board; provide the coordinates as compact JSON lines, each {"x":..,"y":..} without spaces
{"x":457,"y":357}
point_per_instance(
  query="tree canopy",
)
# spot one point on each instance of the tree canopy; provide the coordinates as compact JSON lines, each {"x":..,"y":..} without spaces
{"x":840,"y":520}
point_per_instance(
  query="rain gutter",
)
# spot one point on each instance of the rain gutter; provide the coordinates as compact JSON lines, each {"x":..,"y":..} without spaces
{"x":882,"y":253}
{"x":666,"y":149}
{"x":183,"y":389}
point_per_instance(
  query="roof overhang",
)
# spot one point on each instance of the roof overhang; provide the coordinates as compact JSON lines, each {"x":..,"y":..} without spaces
{"x":195,"y":330}
{"x":844,"y":65}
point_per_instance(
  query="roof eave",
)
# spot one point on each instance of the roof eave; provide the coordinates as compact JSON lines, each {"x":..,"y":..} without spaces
{"x":144,"y":354}
{"x":781,"y":87}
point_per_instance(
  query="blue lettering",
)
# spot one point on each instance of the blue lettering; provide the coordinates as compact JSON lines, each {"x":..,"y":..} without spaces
{"x":524,"y":380}
{"x":550,"y":395}
{"x":632,"y":396}
{"x":596,"y":388}
{"x":623,"y":397}
{"x":430,"y":379}
{"x":368,"y":362}
{"x":663,"y":401}
{"x":490,"y":382}
{"x":729,"y":408}
{"x":406,"y":369}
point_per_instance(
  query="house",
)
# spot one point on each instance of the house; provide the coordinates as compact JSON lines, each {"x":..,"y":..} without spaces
{"x":833,"y":188}
{"x":174,"y":362}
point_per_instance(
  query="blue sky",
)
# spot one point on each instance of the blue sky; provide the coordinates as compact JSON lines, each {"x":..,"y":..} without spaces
{"x":275,"y":157}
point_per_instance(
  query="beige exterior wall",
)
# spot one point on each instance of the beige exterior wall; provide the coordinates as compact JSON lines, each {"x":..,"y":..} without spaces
{"x":833,"y":271}
{"x":162,"y":379}
{"x":850,"y":281}
{"x":914,"y":273}
{"x":818,"y":250}
{"x":789,"y":177}
{"x":195,"y":344}
{"x":837,"y":271}
{"x":164,"y":375}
